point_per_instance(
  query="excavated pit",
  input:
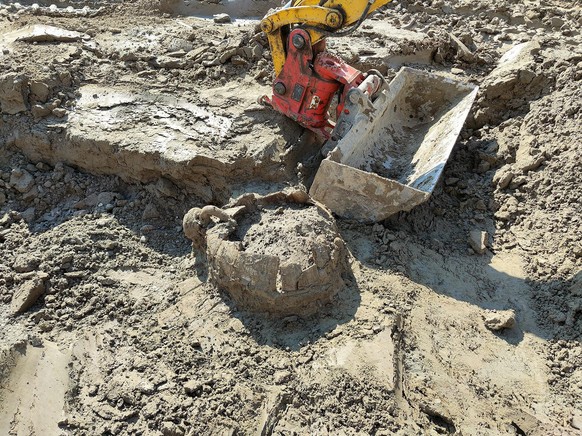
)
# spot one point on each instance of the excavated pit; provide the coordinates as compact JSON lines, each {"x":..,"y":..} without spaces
{"x":148,"y":127}
{"x":173,"y":114}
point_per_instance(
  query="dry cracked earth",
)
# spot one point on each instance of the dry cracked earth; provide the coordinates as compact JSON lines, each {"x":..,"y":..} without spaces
{"x":462,"y":316}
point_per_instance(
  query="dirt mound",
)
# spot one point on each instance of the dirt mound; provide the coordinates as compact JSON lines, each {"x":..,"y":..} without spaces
{"x":278,"y":254}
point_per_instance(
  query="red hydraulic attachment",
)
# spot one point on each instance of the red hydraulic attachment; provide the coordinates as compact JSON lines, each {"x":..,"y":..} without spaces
{"x":310,"y":78}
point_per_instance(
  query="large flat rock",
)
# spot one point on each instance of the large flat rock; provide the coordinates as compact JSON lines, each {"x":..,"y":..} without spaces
{"x":203,"y":145}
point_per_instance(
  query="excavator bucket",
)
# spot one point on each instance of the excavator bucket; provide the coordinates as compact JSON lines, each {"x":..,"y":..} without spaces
{"x":388,"y":154}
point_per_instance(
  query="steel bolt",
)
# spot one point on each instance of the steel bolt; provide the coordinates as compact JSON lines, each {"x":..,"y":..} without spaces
{"x":266,"y":26}
{"x":333,"y":19}
{"x":280,"y":88}
{"x":298,"y":41}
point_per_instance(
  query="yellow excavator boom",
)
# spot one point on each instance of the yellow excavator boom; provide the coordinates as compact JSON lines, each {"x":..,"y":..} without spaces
{"x":320,"y":18}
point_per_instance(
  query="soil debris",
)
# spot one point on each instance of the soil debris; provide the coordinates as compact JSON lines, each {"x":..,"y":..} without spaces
{"x":478,"y":241}
{"x":109,"y":321}
{"x":26,"y":295}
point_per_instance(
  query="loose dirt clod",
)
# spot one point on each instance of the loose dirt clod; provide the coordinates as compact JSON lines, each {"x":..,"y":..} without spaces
{"x":478,"y":241}
{"x":499,"y":320}
{"x":26,"y":295}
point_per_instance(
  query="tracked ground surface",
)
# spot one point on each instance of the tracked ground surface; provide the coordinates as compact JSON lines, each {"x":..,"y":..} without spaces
{"x":462,"y":316}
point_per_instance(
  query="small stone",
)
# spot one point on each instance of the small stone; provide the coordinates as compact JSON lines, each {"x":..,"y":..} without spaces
{"x":483,"y":167}
{"x":35,"y":340}
{"x":281,"y":377}
{"x":226,"y":56}
{"x":290,"y":319}
{"x":261,"y":74}
{"x":556,"y":22}
{"x":456,"y":71}
{"x":146,"y":387}
{"x":463,"y":51}
{"x":93,"y":200}
{"x":106,"y":281}
{"x":532,"y":163}
{"x":518,"y":181}
{"x":222,"y":18}
{"x":28,"y":214}
{"x":388,"y":237}
{"x":45,"y":326}
{"x":26,"y":295}
{"x":76,"y":274}
{"x":503,"y":179}
{"x":59,"y":112}
{"x":532,"y":14}
{"x":478,"y":241}
{"x":13,"y":93}
{"x":169,"y":428}
{"x":31,"y":194}
{"x":167,"y":188}
{"x":558,"y":317}
{"x":480,"y":205}
{"x":21,"y":180}
{"x":193,"y":387}
{"x":499,"y":319}
{"x":150,"y":212}
{"x":238,"y":60}
{"x":92,"y":391}
{"x":40,"y":90}
{"x":40,"y":111}
{"x":25,"y":263}
{"x":257,"y":51}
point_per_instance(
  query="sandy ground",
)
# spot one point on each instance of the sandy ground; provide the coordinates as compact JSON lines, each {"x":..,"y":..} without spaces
{"x":463,"y":316}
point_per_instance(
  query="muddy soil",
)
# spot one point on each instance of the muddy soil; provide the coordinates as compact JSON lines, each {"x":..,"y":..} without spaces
{"x":462,"y":316}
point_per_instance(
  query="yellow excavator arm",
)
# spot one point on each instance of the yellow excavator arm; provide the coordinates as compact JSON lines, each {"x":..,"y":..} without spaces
{"x":354,"y":180}
{"x":320,"y":18}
